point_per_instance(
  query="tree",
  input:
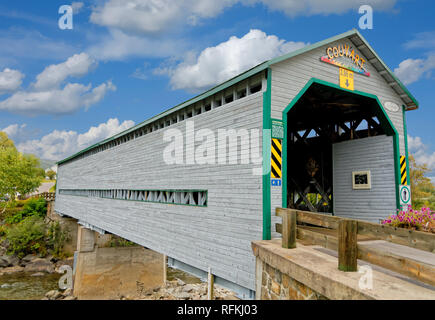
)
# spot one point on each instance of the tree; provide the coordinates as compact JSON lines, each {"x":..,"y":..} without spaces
{"x":18,"y":173}
{"x":51,"y":174}
{"x":423,"y":190}
{"x":5,"y":142}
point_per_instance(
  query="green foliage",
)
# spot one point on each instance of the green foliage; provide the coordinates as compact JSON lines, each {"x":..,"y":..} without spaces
{"x":51,"y":174}
{"x":120,"y":242}
{"x":33,"y":207}
{"x":5,"y":142}
{"x":56,"y":238}
{"x":18,"y":173}
{"x":27,"y":237}
{"x":34,"y":236}
{"x":423,"y":190}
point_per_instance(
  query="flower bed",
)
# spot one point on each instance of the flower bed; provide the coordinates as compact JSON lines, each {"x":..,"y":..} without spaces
{"x":421,"y":220}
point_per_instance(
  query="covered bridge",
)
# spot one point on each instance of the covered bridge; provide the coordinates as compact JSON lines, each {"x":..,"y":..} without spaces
{"x":326,"y":122}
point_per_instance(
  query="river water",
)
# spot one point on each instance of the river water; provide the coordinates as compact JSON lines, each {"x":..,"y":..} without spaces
{"x":22,"y":286}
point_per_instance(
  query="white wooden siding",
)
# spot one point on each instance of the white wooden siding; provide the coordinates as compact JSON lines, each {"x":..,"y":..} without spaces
{"x":217,"y":236}
{"x":374,"y":154}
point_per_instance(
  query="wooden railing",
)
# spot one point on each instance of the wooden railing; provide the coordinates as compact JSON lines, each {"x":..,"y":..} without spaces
{"x":49,"y":196}
{"x":343,"y":234}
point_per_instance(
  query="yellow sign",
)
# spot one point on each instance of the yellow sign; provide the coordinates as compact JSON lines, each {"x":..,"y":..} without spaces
{"x":346,"y":79}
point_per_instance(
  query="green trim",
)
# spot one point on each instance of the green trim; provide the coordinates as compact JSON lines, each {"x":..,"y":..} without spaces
{"x":267,"y":99}
{"x":146,"y":201}
{"x":263,"y":66}
{"x":405,"y":133}
{"x":380,"y":113}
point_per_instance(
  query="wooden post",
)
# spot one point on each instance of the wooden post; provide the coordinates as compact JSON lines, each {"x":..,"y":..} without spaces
{"x":289,"y":229}
{"x":210,"y":291}
{"x":347,"y":245}
{"x":165,"y":269}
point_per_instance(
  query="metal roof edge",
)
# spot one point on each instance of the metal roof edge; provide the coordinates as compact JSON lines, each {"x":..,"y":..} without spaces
{"x":401,"y":85}
{"x":312,"y":46}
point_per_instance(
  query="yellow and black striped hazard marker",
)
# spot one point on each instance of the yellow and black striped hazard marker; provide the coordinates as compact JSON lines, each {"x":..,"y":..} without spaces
{"x":403,"y":178}
{"x":276,"y":159}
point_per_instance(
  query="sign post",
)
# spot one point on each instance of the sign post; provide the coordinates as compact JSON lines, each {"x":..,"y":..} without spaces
{"x":405,"y":197}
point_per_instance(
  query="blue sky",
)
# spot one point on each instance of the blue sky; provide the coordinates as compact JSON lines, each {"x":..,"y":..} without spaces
{"x":125,"y":61}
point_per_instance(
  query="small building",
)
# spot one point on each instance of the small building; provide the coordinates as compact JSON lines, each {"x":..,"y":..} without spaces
{"x":320,"y":129}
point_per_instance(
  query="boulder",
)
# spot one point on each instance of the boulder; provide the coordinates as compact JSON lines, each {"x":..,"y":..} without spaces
{"x":28,"y":258}
{"x":182,"y":295}
{"x":180,"y":282}
{"x":39,"y":265}
{"x":8,"y":261}
{"x":70,"y":298}
{"x":188,"y":288}
{"x":53,"y":295}
{"x":68,"y":292}
{"x":3,"y":262}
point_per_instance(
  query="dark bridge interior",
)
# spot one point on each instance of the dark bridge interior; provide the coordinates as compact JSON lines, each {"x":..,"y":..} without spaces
{"x":321,"y":117}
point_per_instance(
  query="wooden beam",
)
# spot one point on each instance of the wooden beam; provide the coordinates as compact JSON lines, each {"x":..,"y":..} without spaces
{"x":415,"y":269}
{"x":317,"y":219}
{"x":411,"y":238}
{"x":347,"y":245}
{"x":289,"y":229}
{"x":210,"y":287}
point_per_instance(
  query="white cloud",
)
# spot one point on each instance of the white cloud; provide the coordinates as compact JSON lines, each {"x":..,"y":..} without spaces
{"x":118,"y":45}
{"x":425,"y":40}
{"x":76,"y":6}
{"x":420,"y":152}
{"x":10,"y":80}
{"x":56,"y":101}
{"x":217,"y":64}
{"x":53,"y":75}
{"x":46,"y":96}
{"x":14,"y":130}
{"x":154,"y":16}
{"x":58,"y":145}
{"x":412,"y":70}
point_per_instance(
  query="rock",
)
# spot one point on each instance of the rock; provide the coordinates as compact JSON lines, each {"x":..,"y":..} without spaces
{"x":188,"y":288}
{"x":11,"y":270}
{"x":70,"y":298}
{"x":68,"y":292}
{"x":37,"y":274}
{"x":52,"y":295}
{"x":28,"y":258}
{"x":180,"y":282}
{"x":39,"y":265}
{"x":8,"y":261}
{"x":182,"y":295}
{"x":5,"y":285}
{"x":3,"y":263}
